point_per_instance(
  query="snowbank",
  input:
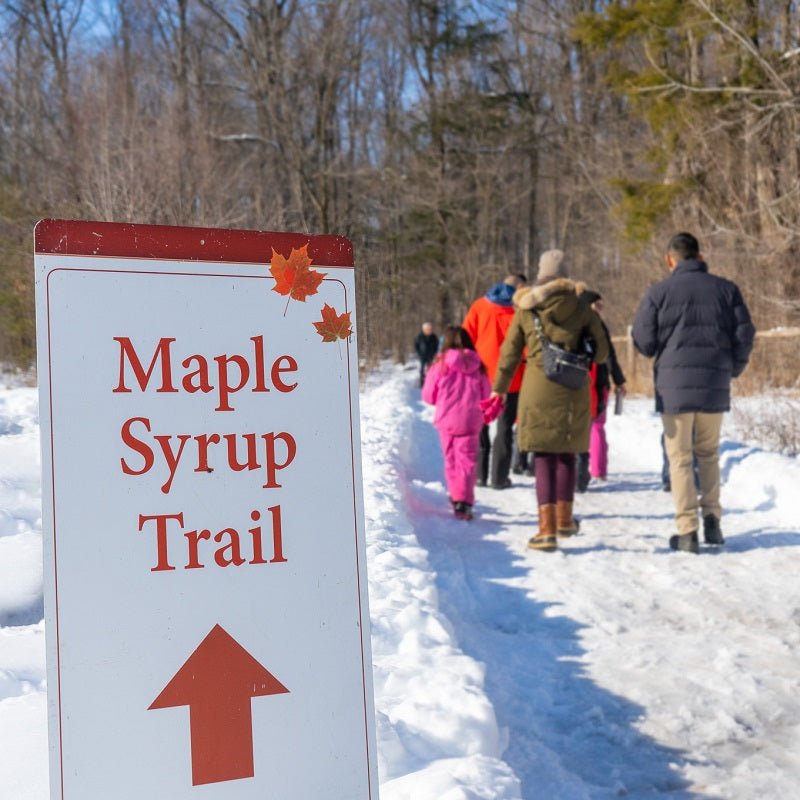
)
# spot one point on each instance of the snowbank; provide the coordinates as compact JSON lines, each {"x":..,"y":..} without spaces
{"x":611,"y":668}
{"x":437,"y":733}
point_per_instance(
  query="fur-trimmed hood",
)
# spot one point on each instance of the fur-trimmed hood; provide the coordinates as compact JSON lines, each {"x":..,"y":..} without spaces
{"x":529,"y":297}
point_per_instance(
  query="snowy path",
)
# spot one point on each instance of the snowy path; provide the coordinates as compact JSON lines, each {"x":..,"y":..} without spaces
{"x":618,"y":667}
{"x":611,"y":668}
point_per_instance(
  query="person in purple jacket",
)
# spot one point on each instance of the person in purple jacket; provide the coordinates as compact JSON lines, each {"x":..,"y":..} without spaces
{"x":455,"y":384}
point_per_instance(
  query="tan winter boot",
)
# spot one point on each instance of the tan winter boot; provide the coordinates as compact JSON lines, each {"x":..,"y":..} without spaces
{"x":546,"y":538}
{"x":566,"y":524}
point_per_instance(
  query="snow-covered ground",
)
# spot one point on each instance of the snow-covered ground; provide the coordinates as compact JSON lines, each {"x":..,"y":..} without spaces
{"x":613,"y":668}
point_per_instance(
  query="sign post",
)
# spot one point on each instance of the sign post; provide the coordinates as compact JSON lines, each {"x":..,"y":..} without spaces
{"x":205,"y":583}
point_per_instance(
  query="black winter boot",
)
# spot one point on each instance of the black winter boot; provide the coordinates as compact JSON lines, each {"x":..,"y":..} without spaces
{"x":686,"y":542}
{"x":712,"y":533}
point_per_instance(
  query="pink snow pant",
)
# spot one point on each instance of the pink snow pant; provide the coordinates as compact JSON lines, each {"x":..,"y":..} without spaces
{"x":598,"y":447}
{"x":460,"y":465}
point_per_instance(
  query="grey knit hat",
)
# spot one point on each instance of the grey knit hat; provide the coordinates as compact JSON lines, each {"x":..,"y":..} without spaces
{"x":551,"y":265}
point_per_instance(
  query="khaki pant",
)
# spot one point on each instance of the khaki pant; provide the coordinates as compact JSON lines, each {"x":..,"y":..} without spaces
{"x":686,"y":436}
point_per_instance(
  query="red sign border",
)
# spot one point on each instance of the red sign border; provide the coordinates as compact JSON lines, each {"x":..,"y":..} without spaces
{"x":174,"y":243}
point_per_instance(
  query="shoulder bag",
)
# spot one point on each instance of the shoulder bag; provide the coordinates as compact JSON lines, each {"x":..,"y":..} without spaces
{"x":560,"y":365}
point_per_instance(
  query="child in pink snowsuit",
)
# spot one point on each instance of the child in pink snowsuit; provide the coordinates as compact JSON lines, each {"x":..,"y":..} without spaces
{"x":456,"y":383}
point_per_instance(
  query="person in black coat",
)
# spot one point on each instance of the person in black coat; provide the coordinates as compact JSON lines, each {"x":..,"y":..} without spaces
{"x":426,"y":346}
{"x":698,"y":328}
{"x":600,"y":388}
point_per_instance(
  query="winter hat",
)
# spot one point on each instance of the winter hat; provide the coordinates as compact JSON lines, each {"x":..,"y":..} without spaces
{"x":551,"y":265}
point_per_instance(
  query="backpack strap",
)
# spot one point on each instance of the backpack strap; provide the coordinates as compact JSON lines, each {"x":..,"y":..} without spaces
{"x":539,"y":329}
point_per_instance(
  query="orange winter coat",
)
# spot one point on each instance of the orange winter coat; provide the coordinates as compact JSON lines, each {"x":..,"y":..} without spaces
{"x":487,"y":323}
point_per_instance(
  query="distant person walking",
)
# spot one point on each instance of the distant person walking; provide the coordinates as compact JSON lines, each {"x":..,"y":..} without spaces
{"x":486,"y":322}
{"x":698,"y":328}
{"x":594,"y":464}
{"x":456,"y":383}
{"x":426,"y":345}
{"x":553,"y":419}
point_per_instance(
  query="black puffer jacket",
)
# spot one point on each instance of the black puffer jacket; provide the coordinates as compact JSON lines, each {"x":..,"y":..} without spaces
{"x":699,"y":330}
{"x":427,"y":346}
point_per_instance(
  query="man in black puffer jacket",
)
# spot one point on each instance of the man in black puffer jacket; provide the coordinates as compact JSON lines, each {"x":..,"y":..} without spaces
{"x":699,"y":330}
{"x":427,"y":346}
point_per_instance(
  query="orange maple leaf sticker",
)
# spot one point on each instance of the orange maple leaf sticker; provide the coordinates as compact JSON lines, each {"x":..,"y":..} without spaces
{"x":333,"y":326}
{"x":293,"y":276}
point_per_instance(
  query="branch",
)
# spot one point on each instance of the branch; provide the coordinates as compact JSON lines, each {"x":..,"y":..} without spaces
{"x":747,"y":44}
{"x":673,"y":84}
{"x":243,"y":137}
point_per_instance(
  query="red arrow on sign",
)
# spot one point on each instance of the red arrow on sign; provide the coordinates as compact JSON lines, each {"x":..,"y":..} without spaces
{"x":217,"y":682}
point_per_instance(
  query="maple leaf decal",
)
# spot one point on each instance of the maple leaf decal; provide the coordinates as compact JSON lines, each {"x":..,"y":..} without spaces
{"x":293,"y":276}
{"x":333,"y":326}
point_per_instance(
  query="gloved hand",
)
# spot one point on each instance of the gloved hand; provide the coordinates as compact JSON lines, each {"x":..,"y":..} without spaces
{"x":492,"y":407}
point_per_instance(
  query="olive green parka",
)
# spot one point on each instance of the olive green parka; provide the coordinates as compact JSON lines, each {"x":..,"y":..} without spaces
{"x":551,"y":417}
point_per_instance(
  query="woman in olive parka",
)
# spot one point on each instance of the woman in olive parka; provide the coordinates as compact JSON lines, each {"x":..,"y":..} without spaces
{"x":553,"y":421}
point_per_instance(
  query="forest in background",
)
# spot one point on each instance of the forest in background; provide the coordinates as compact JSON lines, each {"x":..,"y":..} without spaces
{"x":452,"y":141}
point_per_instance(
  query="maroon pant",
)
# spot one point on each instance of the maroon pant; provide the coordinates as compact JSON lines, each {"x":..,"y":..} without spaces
{"x":555,"y":477}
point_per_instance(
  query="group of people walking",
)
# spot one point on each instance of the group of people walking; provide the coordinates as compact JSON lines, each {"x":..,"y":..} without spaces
{"x":539,"y":358}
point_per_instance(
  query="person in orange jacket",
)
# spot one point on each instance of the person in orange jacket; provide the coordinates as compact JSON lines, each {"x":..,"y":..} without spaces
{"x":487,"y":322}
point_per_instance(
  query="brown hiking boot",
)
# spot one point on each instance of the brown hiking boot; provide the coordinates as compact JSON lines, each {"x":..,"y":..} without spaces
{"x":566,"y":524}
{"x":546,"y":538}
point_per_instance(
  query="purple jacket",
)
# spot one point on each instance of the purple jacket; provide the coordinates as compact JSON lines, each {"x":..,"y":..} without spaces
{"x":455,"y":384}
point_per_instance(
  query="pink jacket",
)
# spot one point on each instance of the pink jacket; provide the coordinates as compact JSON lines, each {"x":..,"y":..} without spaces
{"x":455,"y":384}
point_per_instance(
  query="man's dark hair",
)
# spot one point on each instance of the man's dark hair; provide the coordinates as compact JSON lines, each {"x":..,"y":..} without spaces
{"x":515,"y":279}
{"x":684,"y":245}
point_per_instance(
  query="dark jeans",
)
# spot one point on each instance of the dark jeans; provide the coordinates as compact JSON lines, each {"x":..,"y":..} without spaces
{"x":423,"y":369}
{"x":520,"y":463}
{"x":583,"y":476}
{"x":555,"y":477}
{"x":501,"y":448}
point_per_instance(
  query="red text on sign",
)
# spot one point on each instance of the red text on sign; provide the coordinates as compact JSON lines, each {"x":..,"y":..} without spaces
{"x":271,"y":452}
{"x":233,"y":550}
{"x":225,"y":374}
